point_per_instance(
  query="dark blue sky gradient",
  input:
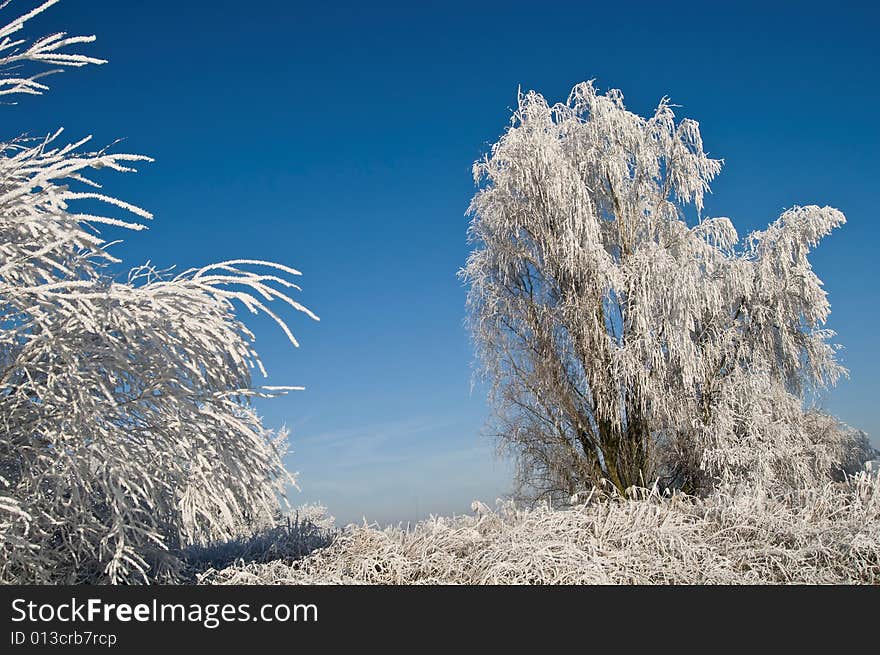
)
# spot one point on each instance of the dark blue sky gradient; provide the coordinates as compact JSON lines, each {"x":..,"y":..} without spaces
{"x":339,"y":139}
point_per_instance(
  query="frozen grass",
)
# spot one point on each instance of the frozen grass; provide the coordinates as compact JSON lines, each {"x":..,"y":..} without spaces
{"x":288,"y":538}
{"x":828,"y":535}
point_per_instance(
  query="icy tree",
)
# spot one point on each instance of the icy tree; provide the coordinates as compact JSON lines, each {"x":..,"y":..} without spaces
{"x":126,"y":424}
{"x":627,"y":336}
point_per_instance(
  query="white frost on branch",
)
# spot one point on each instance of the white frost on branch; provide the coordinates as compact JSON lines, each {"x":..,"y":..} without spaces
{"x":47,"y":50}
{"x":125,"y":414}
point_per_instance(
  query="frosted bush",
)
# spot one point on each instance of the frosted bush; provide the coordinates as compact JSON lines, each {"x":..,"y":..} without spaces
{"x":286,"y":538}
{"x":126,"y":425}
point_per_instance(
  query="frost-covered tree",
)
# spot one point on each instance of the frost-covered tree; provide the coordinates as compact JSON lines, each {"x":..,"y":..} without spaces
{"x":126,"y":424}
{"x":626,"y":336}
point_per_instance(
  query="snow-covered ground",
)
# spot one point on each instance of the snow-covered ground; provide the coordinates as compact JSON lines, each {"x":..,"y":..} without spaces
{"x":829,"y":535}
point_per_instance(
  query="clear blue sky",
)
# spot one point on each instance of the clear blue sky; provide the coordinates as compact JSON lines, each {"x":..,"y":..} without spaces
{"x":339,"y":138}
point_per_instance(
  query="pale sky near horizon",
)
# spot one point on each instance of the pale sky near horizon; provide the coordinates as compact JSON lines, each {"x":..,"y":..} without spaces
{"x":338,"y":138}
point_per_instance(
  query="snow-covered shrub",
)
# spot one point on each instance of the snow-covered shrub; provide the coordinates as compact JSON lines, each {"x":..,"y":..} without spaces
{"x":627,"y":336}
{"x":288,"y":537}
{"x":126,"y":425}
{"x":314,"y":513}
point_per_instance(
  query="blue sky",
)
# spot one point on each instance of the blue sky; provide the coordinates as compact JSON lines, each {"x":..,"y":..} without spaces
{"x":339,"y":138}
